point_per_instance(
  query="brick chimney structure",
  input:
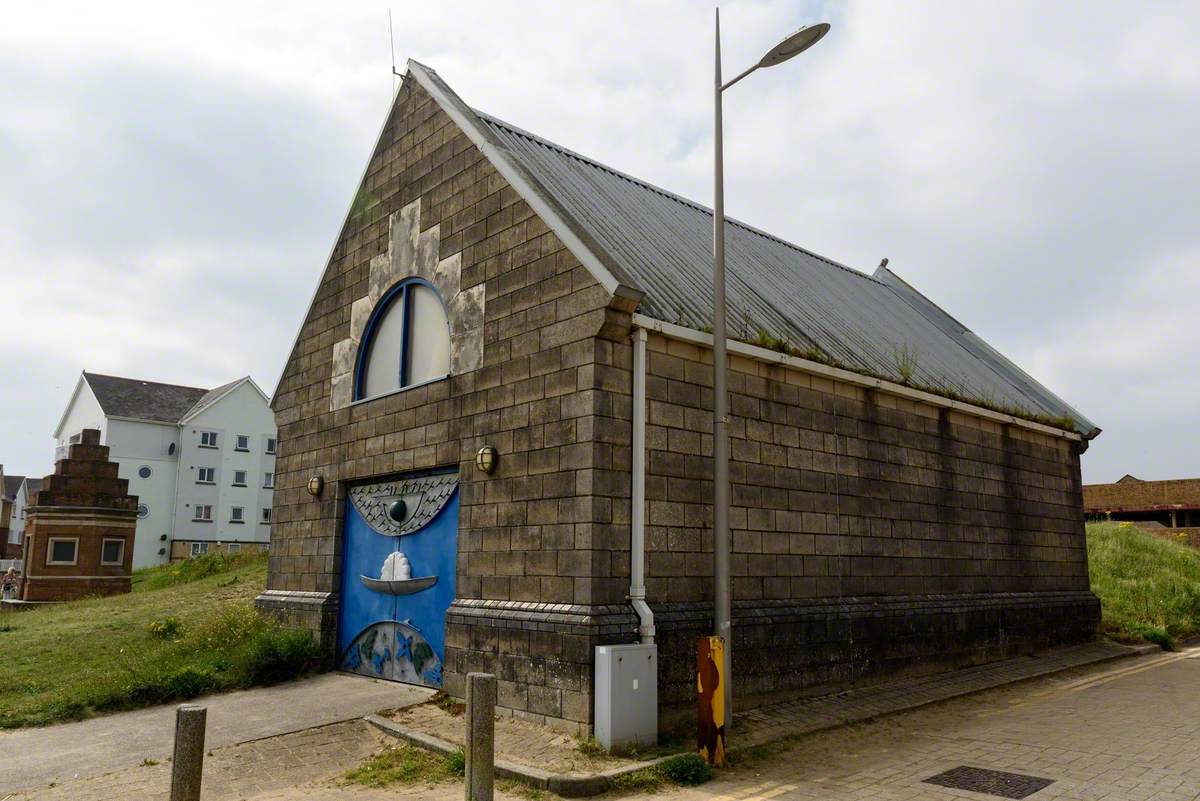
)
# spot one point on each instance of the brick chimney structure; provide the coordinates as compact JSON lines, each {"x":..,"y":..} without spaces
{"x":80,"y":528}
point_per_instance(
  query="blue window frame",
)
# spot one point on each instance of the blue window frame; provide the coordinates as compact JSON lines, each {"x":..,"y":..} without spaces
{"x":388,"y":341}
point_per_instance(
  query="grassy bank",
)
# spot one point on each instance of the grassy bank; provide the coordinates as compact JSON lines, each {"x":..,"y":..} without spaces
{"x":185,"y":630}
{"x":1149,"y":586}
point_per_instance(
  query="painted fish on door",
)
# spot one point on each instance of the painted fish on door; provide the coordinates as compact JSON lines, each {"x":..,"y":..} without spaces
{"x":398,"y":578}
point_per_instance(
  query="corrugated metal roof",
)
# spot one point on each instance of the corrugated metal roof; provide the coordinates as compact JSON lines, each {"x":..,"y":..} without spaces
{"x":876,"y":324}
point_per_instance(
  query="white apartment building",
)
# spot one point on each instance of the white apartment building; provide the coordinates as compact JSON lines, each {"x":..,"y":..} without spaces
{"x":202,"y":462}
{"x":16,"y":522}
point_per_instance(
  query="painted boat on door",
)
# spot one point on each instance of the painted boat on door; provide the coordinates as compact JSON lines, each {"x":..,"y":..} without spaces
{"x":398,"y":578}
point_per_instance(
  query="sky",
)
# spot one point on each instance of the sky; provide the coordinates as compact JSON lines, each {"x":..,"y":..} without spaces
{"x":172,"y":178}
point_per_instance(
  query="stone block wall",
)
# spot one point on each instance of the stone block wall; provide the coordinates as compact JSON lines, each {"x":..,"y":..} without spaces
{"x":870,"y":533}
{"x":537,"y":539}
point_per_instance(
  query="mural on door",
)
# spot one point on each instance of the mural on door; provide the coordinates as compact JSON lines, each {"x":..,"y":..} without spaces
{"x":398,"y":576}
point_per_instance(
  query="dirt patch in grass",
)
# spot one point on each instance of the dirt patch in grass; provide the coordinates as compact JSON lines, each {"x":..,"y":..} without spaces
{"x":519,"y":741}
{"x":1149,"y":587}
{"x":184,"y":631}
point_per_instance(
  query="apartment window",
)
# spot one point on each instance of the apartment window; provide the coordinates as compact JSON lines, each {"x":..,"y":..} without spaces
{"x":237,"y":514}
{"x":268,"y":480}
{"x":112,"y":552}
{"x":206,"y":475}
{"x":266,"y":514}
{"x":199,"y":548}
{"x":203,"y":513}
{"x":234,"y":547}
{"x":271,"y":445}
{"x":62,"y":550}
{"x":239,"y":478}
{"x":144,"y":471}
{"x":242,"y":443}
{"x":208,"y":439}
{"x":143,"y":510}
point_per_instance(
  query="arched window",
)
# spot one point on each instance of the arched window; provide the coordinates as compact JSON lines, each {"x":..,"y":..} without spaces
{"x":406,"y":341}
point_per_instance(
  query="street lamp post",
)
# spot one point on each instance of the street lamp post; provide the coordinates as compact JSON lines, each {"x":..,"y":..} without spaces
{"x":791,"y":46}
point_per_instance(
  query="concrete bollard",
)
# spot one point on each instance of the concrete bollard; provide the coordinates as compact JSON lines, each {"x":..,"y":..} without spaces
{"x":481,"y":733}
{"x":188,"y":765}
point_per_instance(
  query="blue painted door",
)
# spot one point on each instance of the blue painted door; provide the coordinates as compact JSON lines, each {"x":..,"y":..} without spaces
{"x":398,"y":575}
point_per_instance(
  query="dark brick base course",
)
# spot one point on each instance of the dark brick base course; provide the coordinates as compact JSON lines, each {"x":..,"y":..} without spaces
{"x":316,"y":612}
{"x":541,"y":654}
{"x":783,"y":646}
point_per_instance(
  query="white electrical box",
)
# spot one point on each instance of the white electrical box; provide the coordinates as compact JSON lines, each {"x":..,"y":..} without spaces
{"x":626,"y":695}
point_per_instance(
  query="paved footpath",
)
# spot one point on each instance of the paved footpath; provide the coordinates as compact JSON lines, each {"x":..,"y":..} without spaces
{"x":1124,"y":731}
{"x":54,"y":754}
{"x":1129,"y":731}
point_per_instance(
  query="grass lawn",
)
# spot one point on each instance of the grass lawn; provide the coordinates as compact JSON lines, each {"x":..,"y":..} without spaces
{"x":185,"y":630}
{"x":1149,"y":586}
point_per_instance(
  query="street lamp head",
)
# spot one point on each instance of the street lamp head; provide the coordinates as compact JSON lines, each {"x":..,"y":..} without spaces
{"x":795,"y":44}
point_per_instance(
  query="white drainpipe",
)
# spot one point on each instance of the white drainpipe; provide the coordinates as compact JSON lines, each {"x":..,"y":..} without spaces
{"x":637,"y":544}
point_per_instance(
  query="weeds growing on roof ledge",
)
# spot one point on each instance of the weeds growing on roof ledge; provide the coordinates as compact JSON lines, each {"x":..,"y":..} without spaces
{"x":907,"y":360}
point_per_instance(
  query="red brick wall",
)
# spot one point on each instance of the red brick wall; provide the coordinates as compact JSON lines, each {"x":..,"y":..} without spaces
{"x":1101,"y":498}
{"x":84,"y":500}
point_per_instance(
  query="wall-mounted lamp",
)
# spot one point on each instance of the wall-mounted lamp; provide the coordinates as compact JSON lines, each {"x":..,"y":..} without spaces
{"x":315,"y":485}
{"x":486,"y":459}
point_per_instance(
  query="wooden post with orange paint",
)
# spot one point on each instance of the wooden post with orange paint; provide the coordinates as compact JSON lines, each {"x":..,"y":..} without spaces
{"x":710,"y":698}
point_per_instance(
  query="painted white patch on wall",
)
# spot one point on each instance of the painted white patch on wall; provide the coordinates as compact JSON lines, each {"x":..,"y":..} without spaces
{"x":412,"y":253}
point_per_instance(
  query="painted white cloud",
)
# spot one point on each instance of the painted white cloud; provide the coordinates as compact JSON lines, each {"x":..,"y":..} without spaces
{"x":171,"y":180}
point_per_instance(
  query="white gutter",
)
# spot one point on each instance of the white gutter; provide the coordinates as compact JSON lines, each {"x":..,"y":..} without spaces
{"x":679,"y":332}
{"x":637,"y":516}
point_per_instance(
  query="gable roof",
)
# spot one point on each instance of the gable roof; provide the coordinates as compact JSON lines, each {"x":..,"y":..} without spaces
{"x":142,"y":400}
{"x":156,"y":402}
{"x":11,"y":485}
{"x":655,"y":247}
{"x":32,"y":485}
{"x":213,"y":395}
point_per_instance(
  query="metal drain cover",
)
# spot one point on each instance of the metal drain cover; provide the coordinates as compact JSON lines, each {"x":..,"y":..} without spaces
{"x":992,"y":782}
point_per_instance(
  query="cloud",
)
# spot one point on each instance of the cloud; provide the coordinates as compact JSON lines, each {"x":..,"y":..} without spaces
{"x":173,"y":179}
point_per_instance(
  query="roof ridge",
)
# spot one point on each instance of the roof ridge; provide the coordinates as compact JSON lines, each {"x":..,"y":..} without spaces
{"x":668,"y":194}
{"x":213,"y":395}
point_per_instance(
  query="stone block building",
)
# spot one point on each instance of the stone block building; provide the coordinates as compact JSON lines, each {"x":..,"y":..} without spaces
{"x":490,"y":289}
{"x":80,"y":528}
